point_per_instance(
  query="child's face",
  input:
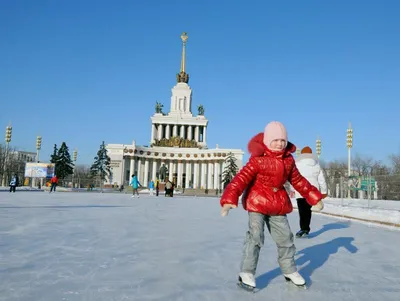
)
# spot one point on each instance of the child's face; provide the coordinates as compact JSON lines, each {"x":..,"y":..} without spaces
{"x":278,"y":144}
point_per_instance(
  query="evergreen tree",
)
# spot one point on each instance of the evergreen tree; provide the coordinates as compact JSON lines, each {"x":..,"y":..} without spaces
{"x":53,"y":158}
{"x":64,"y":164}
{"x":230,"y":170}
{"x":101,"y":165}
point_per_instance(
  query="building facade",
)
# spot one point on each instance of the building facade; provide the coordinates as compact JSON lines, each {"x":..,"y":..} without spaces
{"x":178,"y":145}
{"x":24,"y":156}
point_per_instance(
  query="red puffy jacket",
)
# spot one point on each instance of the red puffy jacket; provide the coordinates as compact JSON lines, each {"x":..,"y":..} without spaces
{"x":263,"y":178}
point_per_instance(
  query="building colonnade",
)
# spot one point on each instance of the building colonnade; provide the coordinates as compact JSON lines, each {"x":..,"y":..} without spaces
{"x":190,"y":132}
{"x":197,"y":174}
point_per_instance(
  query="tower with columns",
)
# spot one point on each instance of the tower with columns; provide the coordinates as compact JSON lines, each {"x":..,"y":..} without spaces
{"x":178,"y":141}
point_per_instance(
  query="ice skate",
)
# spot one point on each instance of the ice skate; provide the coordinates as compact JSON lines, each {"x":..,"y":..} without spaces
{"x":247,"y":282}
{"x":302,"y":233}
{"x":296,"y":279}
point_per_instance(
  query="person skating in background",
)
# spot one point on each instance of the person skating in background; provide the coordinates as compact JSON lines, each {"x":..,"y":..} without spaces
{"x":14,"y":183}
{"x":157,"y":185}
{"x":151,"y":187}
{"x":135,"y":185}
{"x":54,"y":183}
{"x":261,"y":182}
{"x":308,"y":165}
{"x":169,"y":188}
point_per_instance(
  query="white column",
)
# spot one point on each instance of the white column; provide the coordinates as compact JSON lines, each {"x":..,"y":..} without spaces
{"x":203,"y":174}
{"x":204,"y":134}
{"x":153,"y":130}
{"x":180,"y":173}
{"x":122,"y":171}
{"x":175,"y":131}
{"x":168,"y":131}
{"x":182,"y":131}
{"x":376,"y":191}
{"x":160,"y":131}
{"x":139,"y":171}
{"x":196,"y":175}
{"x":196,"y":133}
{"x":190,"y":132}
{"x":171,"y":170}
{"x":216,"y":175}
{"x":154,"y":170}
{"x":188,"y":173}
{"x":146,"y":173}
{"x":222,"y":171}
{"x":132,"y":167}
{"x":209,"y":174}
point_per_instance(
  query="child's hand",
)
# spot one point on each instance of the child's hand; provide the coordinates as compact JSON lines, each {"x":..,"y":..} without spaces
{"x":318,"y":207}
{"x":226,"y":208}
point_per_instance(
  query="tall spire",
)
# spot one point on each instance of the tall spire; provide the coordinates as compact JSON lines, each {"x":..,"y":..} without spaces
{"x":182,"y":76}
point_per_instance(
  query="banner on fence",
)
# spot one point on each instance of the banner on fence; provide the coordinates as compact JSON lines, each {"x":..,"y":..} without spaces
{"x":39,"y":170}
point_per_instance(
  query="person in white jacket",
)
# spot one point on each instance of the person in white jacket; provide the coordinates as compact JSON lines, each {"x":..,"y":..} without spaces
{"x":308,"y":166}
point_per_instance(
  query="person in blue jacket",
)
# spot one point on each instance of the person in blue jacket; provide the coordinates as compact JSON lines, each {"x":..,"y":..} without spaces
{"x":14,"y":183}
{"x":135,"y":185}
{"x":151,"y":187}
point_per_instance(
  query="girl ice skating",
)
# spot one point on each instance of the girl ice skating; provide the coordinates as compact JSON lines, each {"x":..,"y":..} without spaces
{"x":271,"y":164}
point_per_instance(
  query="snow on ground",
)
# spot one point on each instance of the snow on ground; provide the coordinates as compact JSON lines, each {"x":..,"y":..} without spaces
{"x":81,"y":246}
{"x":375,"y":210}
{"x":19,"y":188}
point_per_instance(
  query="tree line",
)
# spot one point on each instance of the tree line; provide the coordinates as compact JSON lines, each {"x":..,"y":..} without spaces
{"x":11,"y":163}
{"x":387,"y":175}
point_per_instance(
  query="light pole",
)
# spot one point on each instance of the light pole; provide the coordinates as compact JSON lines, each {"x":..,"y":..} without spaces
{"x":8,"y":140}
{"x":298,"y":152}
{"x":349,"y":146}
{"x":38,"y":148}
{"x":318,"y":147}
{"x":75,"y":156}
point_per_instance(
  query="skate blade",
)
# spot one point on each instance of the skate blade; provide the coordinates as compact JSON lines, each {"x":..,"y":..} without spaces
{"x":303,"y":236}
{"x":303,"y":286}
{"x":246,"y":287}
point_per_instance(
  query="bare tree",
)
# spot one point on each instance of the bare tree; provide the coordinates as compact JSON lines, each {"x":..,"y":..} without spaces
{"x":82,"y":175}
{"x":10,"y":166}
{"x":333,"y":172}
{"x":379,"y":168}
{"x":386,"y":176}
{"x":395,"y":160}
{"x":362,"y":165}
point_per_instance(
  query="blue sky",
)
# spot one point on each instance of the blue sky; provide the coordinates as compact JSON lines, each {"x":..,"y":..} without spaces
{"x":87,"y":71}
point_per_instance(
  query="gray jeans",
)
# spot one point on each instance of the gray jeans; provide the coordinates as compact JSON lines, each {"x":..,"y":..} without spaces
{"x":278,"y":227}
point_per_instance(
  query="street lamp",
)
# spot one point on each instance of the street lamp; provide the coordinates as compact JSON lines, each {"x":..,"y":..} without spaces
{"x":349,"y":146}
{"x":318,"y":147}
{"x":8,"y":140}
{"x":39,"y":182}
{"x":38,"y":147}
{"x":298,"y":151}
{"x":75,"y":156}
{"x":8,"y":134}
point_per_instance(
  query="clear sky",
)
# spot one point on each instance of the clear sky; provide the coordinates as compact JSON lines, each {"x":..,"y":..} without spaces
{"x":86,"y":71}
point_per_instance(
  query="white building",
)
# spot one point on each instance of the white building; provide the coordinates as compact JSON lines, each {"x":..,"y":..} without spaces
{"x":24,"y":156}
{"x":179,"y":141}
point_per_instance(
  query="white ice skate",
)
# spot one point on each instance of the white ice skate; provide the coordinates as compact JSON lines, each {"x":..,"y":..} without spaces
{"x":296,"y":279}
{"x":247,"y":281}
